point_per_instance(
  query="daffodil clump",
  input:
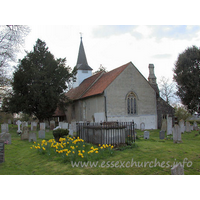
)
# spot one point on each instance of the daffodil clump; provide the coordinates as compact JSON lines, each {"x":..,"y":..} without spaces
{"x":71,"y":149}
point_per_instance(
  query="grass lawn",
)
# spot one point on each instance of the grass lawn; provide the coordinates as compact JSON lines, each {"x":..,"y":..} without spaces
{"x":150,"y":157}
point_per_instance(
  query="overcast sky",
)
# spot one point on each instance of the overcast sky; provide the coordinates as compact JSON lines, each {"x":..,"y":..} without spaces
{"x":115,"y":45}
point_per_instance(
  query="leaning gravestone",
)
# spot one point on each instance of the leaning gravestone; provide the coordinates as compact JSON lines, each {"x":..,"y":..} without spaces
{"x":32,"y":137}
{"x":52,"y":124}
{"x":177,"y":170}
{"x":176,"y":134}
{"x":182,"y":126}
{"x":146,"y":134}
{"x":142,"y":126}
{"x":41,"y":134}
{"x":4,"y":128}
{"x":2,"y":151}
{"x":187,"y":128}
{"x":162,"y":135}
{"x":25,"y":133}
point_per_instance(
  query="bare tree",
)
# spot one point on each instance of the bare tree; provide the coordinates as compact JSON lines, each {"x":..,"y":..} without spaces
{"x":11,"y":39}
{"x":167,"y":89}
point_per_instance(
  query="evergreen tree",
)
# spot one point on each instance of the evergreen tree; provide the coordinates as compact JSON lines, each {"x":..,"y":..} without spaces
{"x":187,"y":76}
{"x":39,"y":83}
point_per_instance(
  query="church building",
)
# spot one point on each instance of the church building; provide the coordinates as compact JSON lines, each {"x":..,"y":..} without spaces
{"x":122,"y":94}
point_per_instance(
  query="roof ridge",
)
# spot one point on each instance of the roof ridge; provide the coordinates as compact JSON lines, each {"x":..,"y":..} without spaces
{"x":92,"y":83}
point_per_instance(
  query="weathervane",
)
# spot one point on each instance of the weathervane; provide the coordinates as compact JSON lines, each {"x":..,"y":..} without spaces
{"x":81,"y":34}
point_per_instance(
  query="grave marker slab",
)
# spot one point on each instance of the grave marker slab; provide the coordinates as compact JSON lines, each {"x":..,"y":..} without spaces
{"x":6,"y":137}
{"x":42,"y":126}
{"x":25,"y":133}
{"x":195,"y":126}
{"x":41,"y":134}
{"x":52,"y":124}
{"x":164,"y":125}
{"x":33,"y":124}
{"x":32,"y":137}
{"x":24,"y":124}
{"x":169,"y":125}
{"x":177,"y":170}
{"x":2,"y":151}
{"x":146,"y":134}
{"x":142,"y":126}
{"x":176,"y":134}
{"x":4,"y":128}
{"x":187,"y":128}
{"x":182,"y":126}
{"x":162,"y":135}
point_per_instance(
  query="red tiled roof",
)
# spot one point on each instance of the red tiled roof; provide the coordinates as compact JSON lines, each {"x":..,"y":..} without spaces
{"x":95,"y":84}
{"x":58,"y":112}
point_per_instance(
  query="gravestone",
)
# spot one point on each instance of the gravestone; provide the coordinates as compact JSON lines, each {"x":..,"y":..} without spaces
{"x":177,"y":170}
{"x":32,"y":137}
{"x":142,"y":126}
{"x":182,"y":126}
{"x":42,"y":126}
{"x":146,"y":134}
{"x":162,"y":135}
{"x":33,"y":126}
{"x":135,"y":126}
{"x":47,"y":126}
{"x":18,"y":125}
{"x":6,"y":137}
{"x":41,"y":134}
{"x":2,"y":151}
{"x":4,"y":128}
{"x":24,"y":124}
{"x":9,"y":121}
{"x":169,"y":125}
{"x":191,"y":127}
{"x":187,"y":128}
{"x":164,"y":125}
{"x":176,"y":134}
{"x":25,"y":133}
{"x":195,"y":126}
{"x":52,"y":124}
{"x":73,"y":126}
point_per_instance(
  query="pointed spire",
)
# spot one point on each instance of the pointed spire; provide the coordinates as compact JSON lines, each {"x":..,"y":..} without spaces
{"x":82,"y":63}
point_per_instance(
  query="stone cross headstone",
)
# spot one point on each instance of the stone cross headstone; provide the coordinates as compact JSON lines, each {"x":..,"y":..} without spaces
{"x":169,"y":126}
{"x":182,"y":126}
{"x":52,"y":124}
{"x":142,"y":126}
{"x":42,"y":126}
{"x":2,"y":151}
{"x":187,"y":128}
{"x":195,"y":126}
{"x":146,"y":134}
{"x":32,"y":137}
{"x":162,"y":135}
{"x":18,"y":125}
{"x":164,"y":125}
{"x":4,"y":128}
{"x":177,"y":170}
{"x":41,"y":134}
{"x":33,"y":124}
{"x":176,"y":134}
{"x":25,"y":133}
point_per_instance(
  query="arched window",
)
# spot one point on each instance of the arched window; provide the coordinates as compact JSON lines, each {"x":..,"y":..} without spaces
{"x":131,"y":103}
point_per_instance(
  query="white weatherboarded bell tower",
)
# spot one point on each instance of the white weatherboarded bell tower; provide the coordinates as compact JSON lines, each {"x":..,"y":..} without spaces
{"x":83,"y":69}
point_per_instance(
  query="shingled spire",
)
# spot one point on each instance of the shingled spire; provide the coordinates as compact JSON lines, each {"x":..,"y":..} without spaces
{"x":82,"y":63}
{"x":83,"y":69}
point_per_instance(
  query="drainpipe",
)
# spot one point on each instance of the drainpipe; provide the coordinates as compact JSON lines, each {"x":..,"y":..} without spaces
{"x":105,"y":103}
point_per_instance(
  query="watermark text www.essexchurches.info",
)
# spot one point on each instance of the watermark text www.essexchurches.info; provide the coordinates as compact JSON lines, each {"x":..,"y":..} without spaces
{"x":132,"y":163}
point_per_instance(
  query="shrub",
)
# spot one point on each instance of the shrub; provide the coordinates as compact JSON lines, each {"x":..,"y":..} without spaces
{"x":58,"y":133}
